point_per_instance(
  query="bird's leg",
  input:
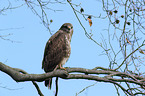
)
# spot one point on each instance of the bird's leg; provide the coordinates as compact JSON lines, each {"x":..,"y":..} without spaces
{"x":60,"y":66}
{"x":56,"y":68}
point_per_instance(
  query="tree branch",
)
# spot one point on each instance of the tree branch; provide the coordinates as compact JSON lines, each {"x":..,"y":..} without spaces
{"x":19,"y":77}
{"x":111,"y":76}
{"x":56,"y":83}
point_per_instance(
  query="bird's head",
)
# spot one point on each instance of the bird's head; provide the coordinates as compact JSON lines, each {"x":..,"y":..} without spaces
{"x":67,"y":27}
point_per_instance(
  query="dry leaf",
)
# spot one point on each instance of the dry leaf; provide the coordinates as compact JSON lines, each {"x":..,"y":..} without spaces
{"x":90,"y":21}
{"x":51,"y":21}
{"x":128,"y":23}
{"x":141,"y":51}
{"x":115,"y":11}
{"x":122,"y":16}
{"x":110,"y":13}
{"x":81,"y":10}
{"x":117,"y":21}
{"x":89,"y":16}
{"x":128,"y":41}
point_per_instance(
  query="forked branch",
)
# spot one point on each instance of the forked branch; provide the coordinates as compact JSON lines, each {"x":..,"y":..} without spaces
{"x":111,"y":76}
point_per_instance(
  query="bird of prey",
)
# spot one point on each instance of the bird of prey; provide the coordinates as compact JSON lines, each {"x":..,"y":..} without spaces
{"x":57,"y":50}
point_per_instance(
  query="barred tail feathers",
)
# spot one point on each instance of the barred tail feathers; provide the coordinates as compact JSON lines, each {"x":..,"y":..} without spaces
{"x":48,"y":83}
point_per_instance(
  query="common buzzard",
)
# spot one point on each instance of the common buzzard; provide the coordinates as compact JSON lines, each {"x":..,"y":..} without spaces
{"x":57,"y":50}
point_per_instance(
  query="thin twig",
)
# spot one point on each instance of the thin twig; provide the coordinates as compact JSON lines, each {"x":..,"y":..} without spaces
{"x":129,"y":56}
{"x":37,"y":87}
{"x":56,"y":82}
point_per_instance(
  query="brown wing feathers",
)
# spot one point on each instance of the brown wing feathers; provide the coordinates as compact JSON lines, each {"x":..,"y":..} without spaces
{"x":54,"y":52}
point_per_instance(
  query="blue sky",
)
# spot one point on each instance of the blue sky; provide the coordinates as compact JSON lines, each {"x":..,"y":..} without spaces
{"x":31,"y":36}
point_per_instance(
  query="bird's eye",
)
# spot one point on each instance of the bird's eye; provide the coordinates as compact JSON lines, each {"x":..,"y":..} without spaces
{"x":70,"y":27}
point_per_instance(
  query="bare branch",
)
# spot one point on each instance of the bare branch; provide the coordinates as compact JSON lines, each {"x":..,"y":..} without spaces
{"x":19,"y":77}
{"x":56,"y":83}
{"x":38,"y":89}
{"x":111,"y":76}
{"x":130,"y":55}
